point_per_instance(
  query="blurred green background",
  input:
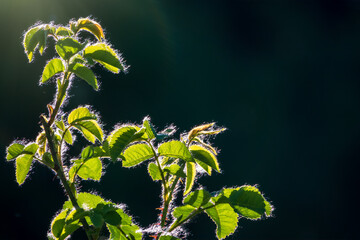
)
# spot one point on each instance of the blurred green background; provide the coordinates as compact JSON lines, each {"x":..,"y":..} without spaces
{"x":282,"y":76}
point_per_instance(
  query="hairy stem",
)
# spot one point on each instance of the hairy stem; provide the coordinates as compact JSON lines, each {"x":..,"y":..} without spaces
{"x":60,"y":172}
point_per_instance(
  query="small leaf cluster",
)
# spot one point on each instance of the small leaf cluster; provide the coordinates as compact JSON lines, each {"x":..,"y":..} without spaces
{"x":176,"y":163}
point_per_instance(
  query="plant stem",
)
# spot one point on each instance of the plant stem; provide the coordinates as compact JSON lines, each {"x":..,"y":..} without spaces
{"x":60,"y":173}
{"x":60,"y":96}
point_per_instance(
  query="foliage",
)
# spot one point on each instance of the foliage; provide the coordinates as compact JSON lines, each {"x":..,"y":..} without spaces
{"x":176,"y":163}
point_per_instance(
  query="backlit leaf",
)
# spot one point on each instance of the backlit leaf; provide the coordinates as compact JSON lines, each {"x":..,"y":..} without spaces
{"x":225,"y":219}
{"x":176,"y":170}
{"x":90,"y":26}
{"x":175,"y":149}
{"x":90,"y":130}
{"x":119,"y":139}
{"x":34,"y":37}
{"x":63,"y":32}
{"x":53,"y":67}
{"x":136,"y":154}
{"x":104,"y":55}
{"x":198,"y":198}
{"x":23,"y":163}
{"x":68,"y":47}
{"x":205,"y":156}
{"x":14,"y":150}
{"x":91,"y":168}
{"x":84,"y":73}
{"x":183,"y":212}
{"x":190,"y":176}
{"x":154,"y":171}
{"x":80,"y":114}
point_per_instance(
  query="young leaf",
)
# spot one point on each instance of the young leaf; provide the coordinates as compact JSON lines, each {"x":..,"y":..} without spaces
{"x":23,"y":163}
{"x":136,"y":154}
{"x":85,"y":201}
{"x":68,"y":47}
{"x":198,"y":198}
{"x":154,"y":171}
{"x":203,"y":155}
{"x":225,"y":219}
{"x":90,"y":26}
{"x":47,"y":159}
{"x":63,"y":32}
{"x":249,"y":202}
{"x":34,"y":37}
{"x":85,"y":74}
{"x":41,"y":141}
{"x":176,"y":170}
{"x":14,"y":150}
{"x":53,"y":67}
{"x":58,"y":223}
{"x":119,"y":139}
{"x":175,"y":149}
{"x":104,"y":55}
{"x":190,"y":176}
{"x":90,"y":129}
{"x":149,"y":129}
{"x":80,"y":114}
{"x":183,"y":212}
{"x":168,"y":237}
{"x":91,"y":168}
{"x":204,"y":166}
{"x":196,"y":130}
{"x":68,"y":137}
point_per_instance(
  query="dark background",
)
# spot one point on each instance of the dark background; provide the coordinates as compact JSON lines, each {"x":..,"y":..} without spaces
{"x":282,"y":76}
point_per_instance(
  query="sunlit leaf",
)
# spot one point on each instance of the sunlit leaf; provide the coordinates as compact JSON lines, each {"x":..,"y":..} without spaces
{"x":68,"y":47}
{"x":80,"y":114}
{"x":34,"y":37}
{"x":84,"y":73}
{"x":91,"y":168}
{"x":225,"y":219}
{"x":120,"y":138}
{"x":154,"y":171}
{"x":198,"y":198}
{"x":203,"y":155}
{"x":63,"y":32}
{"x":175,"y":149}
{"x":190,"y":176}
{"x":90,"y":26}
{"x":136,"y":154}
{"x":53,"y":67}
{"x":90,"y":129}
{"x":14,"y":150}
{"x":104,"y":55}
{"x":176,"y":170}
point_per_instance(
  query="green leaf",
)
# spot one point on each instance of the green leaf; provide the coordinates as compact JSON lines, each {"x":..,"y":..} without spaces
{"x":175,"y":149}
{"x":90,"y":129}
{"x":249,"y":202}
{"x":204,"y":166}
{"x":68,"y":47}
{"x":97,"y":219}
{"x":85,"y":201}
{"x":90,"y":26}
{"x":34,"y":37}
{"x":104,"y":55}
{"x":14,"y":150}
{"x":203,"y":155}
{"x":58,"y":223}
{"x":113,"y":218}
{"x":176,"y":170}
{"x":268,"y":209}
{"x":47,"y":159}
{"x":119,"y":139}
{"x":85,"y":74}
{"x":154,"y":171}
{"x":168,"y":237}
{"x":149,"y":129}
{"x":68,"y":137}
{"x":183,"y":212}
{"x":198,"y":198}
{"x":190,"y":176}
{"x":31,"y":148}
{"x":80,"y":114}
{"x":63,"y":32}
{"x":23,"y":163}
{"x":225,"y":219}
{"x":53,"y":67}
{"x":91,"y":168}
{"x":136,"y":154}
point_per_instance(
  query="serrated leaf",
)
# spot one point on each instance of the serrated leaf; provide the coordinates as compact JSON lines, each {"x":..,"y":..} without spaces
{"x":68,"y":137}
{"x":225,"y":219}
{"x":80,"y":114}
{"x":119,"y":139}
{"x":34,"y":37}
{"x":205,"y":156}
{"x":63,"y":32}
{"x":190,"y":176}
{"x":84,"y":73}
{"x":90,"y":129}
{"x":183,"y":212}
{"x":23,"y":163}
{"x":176,"y":170}
{"x":58,"y":223}
{"x":268,"y":209}
{"x":175,"y":149}
{"x":149,"y":129}
{"x":60,"y":125}
{"x":53,"y":67}
{"x":104,"y":55}
{"x":249,"y":202}
{"x":198,"y":198}
{"x":14,"y":150}
{"x":85,"y":201}
{"x":154,"y":171}
{"x":90,"y":26}
{"x":48,"y":160}
{"x":91,"y":168}
{"x":136,"y":154}
{"x":68,"y":47}
{"x":31,"y":148}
